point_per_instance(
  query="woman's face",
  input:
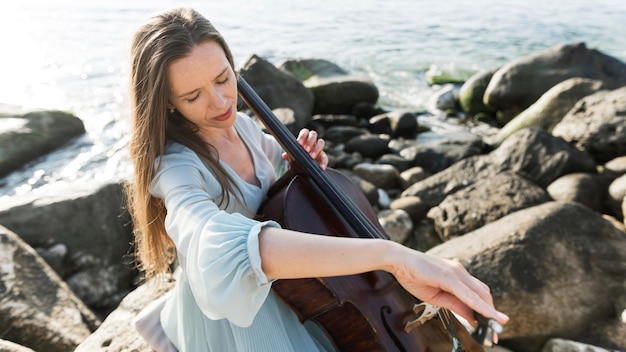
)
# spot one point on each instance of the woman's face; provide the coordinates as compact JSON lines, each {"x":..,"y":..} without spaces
{"x":204,"y":88}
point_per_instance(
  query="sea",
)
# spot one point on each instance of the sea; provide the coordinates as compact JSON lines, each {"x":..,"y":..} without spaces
{"x":73,"y":55}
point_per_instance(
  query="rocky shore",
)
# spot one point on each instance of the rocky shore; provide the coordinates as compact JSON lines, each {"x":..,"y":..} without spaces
{"x":529,"y":196}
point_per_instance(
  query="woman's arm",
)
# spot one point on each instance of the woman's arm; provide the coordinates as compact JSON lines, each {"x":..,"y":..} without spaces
{"x":288,"y":254}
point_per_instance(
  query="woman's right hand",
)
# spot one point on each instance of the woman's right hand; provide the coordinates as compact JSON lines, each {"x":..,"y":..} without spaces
{"x":444,"y":283}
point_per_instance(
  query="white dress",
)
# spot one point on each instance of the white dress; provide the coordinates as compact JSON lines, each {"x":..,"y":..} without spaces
{"x":222,"y":300}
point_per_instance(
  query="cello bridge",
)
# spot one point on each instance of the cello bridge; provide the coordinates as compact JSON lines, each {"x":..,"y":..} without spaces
{"x":425,"y":312}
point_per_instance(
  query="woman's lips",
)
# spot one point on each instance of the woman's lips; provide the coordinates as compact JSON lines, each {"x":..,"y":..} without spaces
{"x":225,"y":115}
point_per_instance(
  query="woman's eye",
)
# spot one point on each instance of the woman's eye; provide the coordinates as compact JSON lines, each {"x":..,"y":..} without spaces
{"x":191,"y":100}
{"x":223,"y":81}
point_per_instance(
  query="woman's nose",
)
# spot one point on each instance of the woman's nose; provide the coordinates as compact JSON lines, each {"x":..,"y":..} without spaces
{"x":218,"y":99}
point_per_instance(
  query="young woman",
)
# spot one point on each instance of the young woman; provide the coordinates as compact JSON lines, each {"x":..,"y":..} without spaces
{"x":202,"y":170}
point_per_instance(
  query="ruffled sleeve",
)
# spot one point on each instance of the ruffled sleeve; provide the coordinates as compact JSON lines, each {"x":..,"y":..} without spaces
{"x":218,"y":250}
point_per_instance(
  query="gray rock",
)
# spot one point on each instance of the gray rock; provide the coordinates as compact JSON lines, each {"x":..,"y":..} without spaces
{"x":597,"y":125}
{"x":397,"y":224}
{"x":384,"y":176}
{"x":335,"y":90}
{"x":368,"y":145}
{"x":117,"y":334}
{"x":519,"y":83}
{"x":540,"y":156}
{"x":38,"y":309}
{"x":562,"y":345}
{"x":588,"y":189}
{"x":551,"y":107}
{"x":91,"y":222}
{"x":615,"y":167}
{"x":279,"y":89}
{"x":8,"y":346}
{"x":553,"y":268}
{"x":483,"y":202}
{"x":397,"y":123}
{"x":436,"y":151}
{"x":24,"y":137}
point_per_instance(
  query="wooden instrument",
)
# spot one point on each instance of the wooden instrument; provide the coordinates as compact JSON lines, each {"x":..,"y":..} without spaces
{"x":366,"y":312}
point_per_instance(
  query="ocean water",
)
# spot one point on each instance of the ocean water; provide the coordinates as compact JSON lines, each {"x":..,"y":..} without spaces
{"x":72,"y":55}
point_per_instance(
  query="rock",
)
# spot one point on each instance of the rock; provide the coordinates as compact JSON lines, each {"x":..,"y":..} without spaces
{"x":519,"y":83}
{"x":551,"y":107}
{"x":553,"y":268}
{"x":411,"y":176}
{"x":368,"y":145}
{"x":279,"y":89}
{"x":335,"y":120}
{"x":588,"y":189}
{"x":117,"y":334}
{"x":436,"y":151}
{"x":384,"y":176}
{"x":483,"y":202}
{"x":411,"y":205}
{"x":561,"y":345}
{"x":608,"y":333}
{"x":398,"y":162}
{"x":369,"y":189}
{"x":424,"y":236}
{"x":616,"y":166}
{"x":444,"y":99}
{"x":433,"y":189}
{"x":24,"y":137}
{"x":335,"y":90}
{"x":472,"y":91}
{"x":540,"y":156}
{"x":530,"y":153}
{"x":38,"y":309}
{"x":90,"y":221}
{"x":597,"y":125}
{"x":8,"y":346}
{"x":397,"y":123}
{"x":343,"y":134}
{"x":617,"y":194}
{"x":396,"y":223}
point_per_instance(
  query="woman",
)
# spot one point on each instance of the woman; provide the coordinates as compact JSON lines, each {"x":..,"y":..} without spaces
{"x":202,"y":170}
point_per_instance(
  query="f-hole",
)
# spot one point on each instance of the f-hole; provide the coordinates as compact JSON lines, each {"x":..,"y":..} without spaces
{"x":384,"y":312}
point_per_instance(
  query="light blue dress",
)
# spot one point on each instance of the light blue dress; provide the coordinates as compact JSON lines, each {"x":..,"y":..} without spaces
{"x":222,"y":299}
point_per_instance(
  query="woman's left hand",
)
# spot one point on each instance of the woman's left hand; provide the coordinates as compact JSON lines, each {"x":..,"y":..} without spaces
{"x":313,"y":145}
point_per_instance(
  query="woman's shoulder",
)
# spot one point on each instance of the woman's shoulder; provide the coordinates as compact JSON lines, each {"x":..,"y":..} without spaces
{"x":178,"y":154}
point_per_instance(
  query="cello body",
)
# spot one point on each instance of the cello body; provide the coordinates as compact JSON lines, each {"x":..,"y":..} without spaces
{"x":365,"y":312}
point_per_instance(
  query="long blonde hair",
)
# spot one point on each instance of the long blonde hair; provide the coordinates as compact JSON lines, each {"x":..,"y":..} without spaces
{"x":156,"y":44}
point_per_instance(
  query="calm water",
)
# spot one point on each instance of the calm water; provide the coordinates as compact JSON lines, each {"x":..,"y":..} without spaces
{"x":72,"y":54}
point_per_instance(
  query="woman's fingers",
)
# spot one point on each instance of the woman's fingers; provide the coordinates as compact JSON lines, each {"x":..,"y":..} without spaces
{"x":313,"y":145}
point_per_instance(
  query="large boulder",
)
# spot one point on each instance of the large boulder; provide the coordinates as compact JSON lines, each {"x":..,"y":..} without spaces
{"x":37,"y":309}
{"x":117,"y":333}
{"x":25,"y":136}
{"x":554,"y":269}
{"x":91,"y":223}
{"x":279,"y":89}
{"x":551,"y":107}
{"x":485,"y":201}
{"x":597,"y":125}
{"x":336,"y":91}
{"x":519,"y":83}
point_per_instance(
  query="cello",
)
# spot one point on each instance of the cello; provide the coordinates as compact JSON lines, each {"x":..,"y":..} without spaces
{"x":365,"y":312}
